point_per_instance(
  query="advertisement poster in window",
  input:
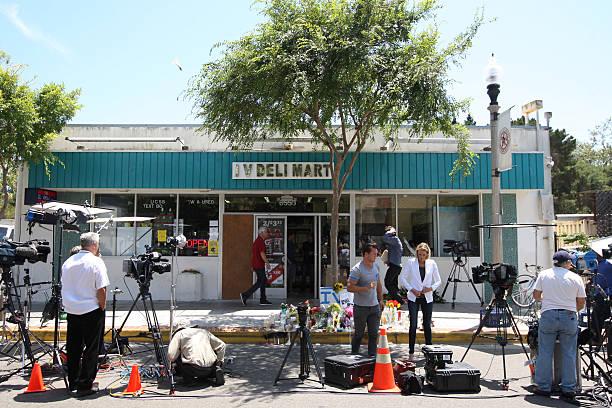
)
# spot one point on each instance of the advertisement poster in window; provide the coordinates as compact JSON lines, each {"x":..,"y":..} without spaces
{"x":275,"y":250}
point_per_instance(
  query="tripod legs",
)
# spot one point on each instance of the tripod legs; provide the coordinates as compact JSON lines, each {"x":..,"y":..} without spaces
{"x":455,"y":278}
{"x":306,"y":352}
{"x":504,"y":314}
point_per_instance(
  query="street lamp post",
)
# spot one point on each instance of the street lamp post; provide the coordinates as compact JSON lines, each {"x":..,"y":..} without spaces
{"x":492,"y":79}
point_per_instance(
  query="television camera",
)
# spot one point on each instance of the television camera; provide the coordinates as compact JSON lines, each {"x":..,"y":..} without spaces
{"x":17,"y":253}
{"x":457,"y":248}
{"x":142,"y":267}
{"x":606,"y":253}
{"x":501,"y":276}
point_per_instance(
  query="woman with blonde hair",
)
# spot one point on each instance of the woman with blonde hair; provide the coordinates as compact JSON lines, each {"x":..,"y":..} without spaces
{"x":420,"y":277}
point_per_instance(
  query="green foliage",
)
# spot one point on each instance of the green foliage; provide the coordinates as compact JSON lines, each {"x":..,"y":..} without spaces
{"x":29,"y":121}
{"x":521,"y":122}
{"x":469,"y":121}
{"x":581,"y":239}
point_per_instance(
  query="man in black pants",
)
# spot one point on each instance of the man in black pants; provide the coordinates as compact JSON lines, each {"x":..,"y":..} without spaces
{"x":364,"y":282}
{"x":394,"y":248}
{"x":259,"y":263}
{"x":84,"y":282}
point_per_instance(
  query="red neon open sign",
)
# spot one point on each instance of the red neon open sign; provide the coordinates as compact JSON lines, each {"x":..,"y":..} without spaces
{"x":197,"y":243}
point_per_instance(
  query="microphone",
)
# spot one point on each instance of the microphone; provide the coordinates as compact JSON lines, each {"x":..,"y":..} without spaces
{"x":26,"y":252}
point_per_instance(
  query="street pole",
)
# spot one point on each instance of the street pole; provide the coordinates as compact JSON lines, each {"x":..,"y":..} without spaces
{"x":493,"y":92}
{"x":492,"y":79}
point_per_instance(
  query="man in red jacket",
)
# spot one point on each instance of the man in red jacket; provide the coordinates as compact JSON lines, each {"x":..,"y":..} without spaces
{"x":259,"y":263}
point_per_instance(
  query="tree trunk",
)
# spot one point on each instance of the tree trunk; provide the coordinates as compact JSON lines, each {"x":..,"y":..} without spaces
{"x":333,"y":233}
{"x":5,"y":195}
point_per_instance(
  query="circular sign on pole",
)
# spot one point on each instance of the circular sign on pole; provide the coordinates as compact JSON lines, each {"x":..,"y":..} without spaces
{"x":504,"y":140}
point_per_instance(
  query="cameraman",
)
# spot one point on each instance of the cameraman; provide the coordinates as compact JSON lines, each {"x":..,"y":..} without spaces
{"x":84,"y":281}
{"x":197,"y":353}
{"x":394,"y":249}
{"x":562,"y":294}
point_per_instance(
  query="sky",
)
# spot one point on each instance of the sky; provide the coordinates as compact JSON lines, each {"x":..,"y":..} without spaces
{"x":121,"y":53}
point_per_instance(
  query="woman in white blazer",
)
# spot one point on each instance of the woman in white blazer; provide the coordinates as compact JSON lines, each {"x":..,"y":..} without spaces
{"x":420,"y":277}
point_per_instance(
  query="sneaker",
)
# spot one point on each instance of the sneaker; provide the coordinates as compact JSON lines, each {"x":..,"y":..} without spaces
{"x":540,"y":392}
{"x":569,"y":397}
{"x":265,"y":302}
{"x":243,"y":299}
{"x":219,"y":377}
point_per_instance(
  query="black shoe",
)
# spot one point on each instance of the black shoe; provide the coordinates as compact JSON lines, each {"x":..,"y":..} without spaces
{"x":569,"y":397}
{"x":243,"y":299}
{"x":85,"y":393}
{"x":219,"y":377}
{"x":265,"y":302}
{"x":540,"y":392}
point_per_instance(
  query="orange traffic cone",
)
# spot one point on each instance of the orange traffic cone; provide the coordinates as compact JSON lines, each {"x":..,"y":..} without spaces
{"x":36,"y":381}
{"x":134,"y":386}
{"x":384,"y":381}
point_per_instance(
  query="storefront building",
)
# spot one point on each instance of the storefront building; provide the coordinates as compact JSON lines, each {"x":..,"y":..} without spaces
{"x":218,"y":198}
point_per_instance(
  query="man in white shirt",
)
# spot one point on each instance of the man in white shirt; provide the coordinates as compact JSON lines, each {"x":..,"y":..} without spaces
{"x":84,"y":282}
{"x":197,"y":353}
{"x":562,"y":294}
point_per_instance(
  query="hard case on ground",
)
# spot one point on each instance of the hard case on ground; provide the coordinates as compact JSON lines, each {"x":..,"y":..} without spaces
{"x":349,"y":370}
{"x":457,"y":376}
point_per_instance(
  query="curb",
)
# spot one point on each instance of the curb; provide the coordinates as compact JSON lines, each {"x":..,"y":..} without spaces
{"x":259,"y":336}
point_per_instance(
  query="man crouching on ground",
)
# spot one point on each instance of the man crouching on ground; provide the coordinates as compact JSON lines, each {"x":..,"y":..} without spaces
{"x":196,"y":354}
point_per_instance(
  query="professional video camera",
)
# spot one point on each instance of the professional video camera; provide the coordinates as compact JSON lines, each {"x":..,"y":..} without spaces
{"x":302,"y":310}
{"x":17,"y":253}
{"x":457,"y":248}
{"x":142,"y":267}
{"x":501,"y":276}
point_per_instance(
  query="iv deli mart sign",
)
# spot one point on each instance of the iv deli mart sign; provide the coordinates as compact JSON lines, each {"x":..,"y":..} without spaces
{"x":281,"y":170}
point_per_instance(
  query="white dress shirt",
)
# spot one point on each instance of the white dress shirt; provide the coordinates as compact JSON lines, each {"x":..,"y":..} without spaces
{"x":82,"y":275}
{"x":410,"y":278}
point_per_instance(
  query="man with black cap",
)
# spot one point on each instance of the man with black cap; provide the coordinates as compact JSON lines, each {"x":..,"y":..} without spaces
{"x":562,"y":294}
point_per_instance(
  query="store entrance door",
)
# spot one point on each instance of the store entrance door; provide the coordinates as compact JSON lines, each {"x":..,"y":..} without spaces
{"x":301,"y":238}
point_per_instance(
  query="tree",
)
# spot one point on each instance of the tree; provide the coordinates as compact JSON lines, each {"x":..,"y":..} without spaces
{"x":562,"y":148}
{"x":469,"y":121}
{"x":29,"y":120}
{"x":521,"y":122}
{"x":335,"y":70}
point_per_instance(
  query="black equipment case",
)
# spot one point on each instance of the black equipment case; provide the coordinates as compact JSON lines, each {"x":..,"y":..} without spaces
{"x":349,"y":370}
{"x":455,"y":376}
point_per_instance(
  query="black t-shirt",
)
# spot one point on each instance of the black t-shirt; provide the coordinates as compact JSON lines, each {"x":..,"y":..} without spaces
{"x":422,"y":271}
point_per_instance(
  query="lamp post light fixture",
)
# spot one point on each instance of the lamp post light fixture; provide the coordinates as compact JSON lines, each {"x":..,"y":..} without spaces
{"x":493,"y":73}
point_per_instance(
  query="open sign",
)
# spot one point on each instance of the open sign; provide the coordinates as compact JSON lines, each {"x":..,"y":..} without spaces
{"x":197,"y":243}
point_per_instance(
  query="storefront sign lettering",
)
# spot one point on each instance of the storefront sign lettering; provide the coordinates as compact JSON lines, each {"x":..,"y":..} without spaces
{"x":284,"y":170}
{"x":154,"y":204}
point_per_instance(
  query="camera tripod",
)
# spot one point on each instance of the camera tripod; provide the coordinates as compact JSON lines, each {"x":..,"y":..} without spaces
{"x":153,"y":333}
{"x":499,"y":304}
{"x":459,"y":263}
{"x":19,"y":318}
{"x":307,"y":351}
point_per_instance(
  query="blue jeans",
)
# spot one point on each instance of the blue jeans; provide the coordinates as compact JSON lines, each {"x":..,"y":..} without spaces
{"x":413,"y":310}
{"x":561,"y":324}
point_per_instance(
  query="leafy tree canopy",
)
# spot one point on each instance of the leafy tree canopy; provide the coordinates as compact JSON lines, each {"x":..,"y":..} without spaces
{"x":29,"y":120}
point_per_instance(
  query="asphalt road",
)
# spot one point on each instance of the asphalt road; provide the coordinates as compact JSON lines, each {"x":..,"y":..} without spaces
{"x":251,"y":383}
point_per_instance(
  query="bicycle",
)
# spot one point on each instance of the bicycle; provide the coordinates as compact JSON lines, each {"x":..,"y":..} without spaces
{"x":522,"y":292}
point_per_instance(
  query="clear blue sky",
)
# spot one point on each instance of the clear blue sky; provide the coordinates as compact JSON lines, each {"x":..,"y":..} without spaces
{"x":120,"y":53}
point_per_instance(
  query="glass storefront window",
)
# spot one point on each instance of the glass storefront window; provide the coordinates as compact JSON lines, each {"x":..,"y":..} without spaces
{"x":372,"y":213}
{"x":199,"y":222}
{"x":457,"y":216}
{"x":283,"y":203}
{"x":416,"y":222}
{"x":117,"y":239}
{"x":154,"y":233}
{"x":328,"y":277}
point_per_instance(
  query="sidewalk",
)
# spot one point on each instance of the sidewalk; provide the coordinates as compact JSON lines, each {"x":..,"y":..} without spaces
{"x":235,"y":323}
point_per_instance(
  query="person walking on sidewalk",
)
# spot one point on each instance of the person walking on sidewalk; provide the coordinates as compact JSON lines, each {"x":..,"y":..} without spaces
{"x":259,"y":263}
{"x":364,"y":282}
{"x":562,"y":294}
{"x":394,"y":249}
{"x":420,"y":277}
{"x":84,"y":281}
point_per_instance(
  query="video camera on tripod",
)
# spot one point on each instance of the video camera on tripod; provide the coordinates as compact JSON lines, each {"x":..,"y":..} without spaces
{"x":456,"y":248}
{"x":501,"y":276}
{"x":17,"y":253}
{"x":142,"y":267}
